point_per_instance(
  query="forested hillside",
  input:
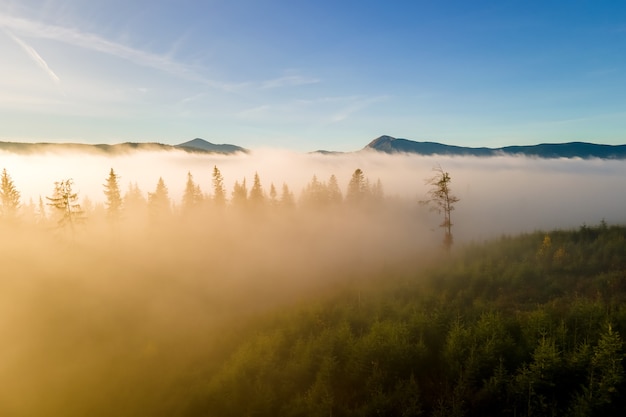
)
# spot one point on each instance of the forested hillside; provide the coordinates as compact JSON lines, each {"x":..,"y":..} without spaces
{"x":530,"y":325}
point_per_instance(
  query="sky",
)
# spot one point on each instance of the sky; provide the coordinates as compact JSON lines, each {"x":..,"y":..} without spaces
{"x":307,"y":75}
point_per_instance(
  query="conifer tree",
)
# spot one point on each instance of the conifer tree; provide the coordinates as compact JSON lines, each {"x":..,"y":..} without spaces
{"x":219,"y":192}
{"x":240,"y":194}
{"x":192,"y":196}
{"x":159,"y":201}
{"x":315,"y":193}
{"x":257,"y":196}
{"x":442,"y":200}
{"x":64,"y":199}
{"x":287,"y":199}
{"x":357,"y":187}
{"x":134,"y":199}
{"x":273,"y":195}
{"x":113,"y":196}
{"x":9,"y":196}
{"x":334,"y":193}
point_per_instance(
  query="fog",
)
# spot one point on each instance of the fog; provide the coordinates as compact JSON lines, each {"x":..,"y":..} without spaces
{"x":110,"y":318}
{"x":499,"y":195}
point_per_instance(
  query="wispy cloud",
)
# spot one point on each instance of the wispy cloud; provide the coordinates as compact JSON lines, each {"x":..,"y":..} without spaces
{"x":356,"y":105}
{"x":93,"y":42}
{"x":35,"y":57}
{"x":288,"y":81}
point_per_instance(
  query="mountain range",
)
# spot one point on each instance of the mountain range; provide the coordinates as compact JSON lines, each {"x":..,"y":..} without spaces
{"x":196,"y":145}
{"x":386,"y":144}
{"x":583,"y":150}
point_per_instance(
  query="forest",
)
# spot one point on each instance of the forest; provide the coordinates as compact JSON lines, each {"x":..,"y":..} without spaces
{"x":264,"y":303}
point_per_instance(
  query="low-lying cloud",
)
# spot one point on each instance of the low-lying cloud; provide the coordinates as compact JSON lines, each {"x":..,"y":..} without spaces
{"x":116,"y":317}
{"x":498,"y":195}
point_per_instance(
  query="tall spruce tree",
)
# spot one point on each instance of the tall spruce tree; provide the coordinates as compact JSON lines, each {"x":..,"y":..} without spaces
{"x":113,"y":196}
{"x":192,"y":196}
{"x":159,"y":201}
{"x":9,"y":196}
{"x":257,"y":196}
{"x":219,"y":192}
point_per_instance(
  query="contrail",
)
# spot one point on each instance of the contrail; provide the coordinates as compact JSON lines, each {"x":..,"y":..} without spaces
{"x":35,"y":56}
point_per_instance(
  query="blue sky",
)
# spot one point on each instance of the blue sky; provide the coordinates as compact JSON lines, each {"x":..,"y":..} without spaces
{"x":307,"y":75}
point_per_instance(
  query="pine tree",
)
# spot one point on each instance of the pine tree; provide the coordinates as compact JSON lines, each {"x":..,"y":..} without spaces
{"x":159,"y":201}
{"x":257,"y":196}
{"x":113,"y":196}
{"x":287,"y":199}
{"x":315,"y":193}
{"x":192,"y":196}
{"x":334,"y":193}
{"x":64,"y":199}
{"x":219,"y":192}
{"x":273,"y":195}
{"x":357,"y":187}
{"x":240,"y":194}
{"x":9,"y":196}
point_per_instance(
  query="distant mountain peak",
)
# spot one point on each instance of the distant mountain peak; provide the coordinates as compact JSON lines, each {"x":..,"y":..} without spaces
{"x":382,"y":143}
{"x":200,"y":144}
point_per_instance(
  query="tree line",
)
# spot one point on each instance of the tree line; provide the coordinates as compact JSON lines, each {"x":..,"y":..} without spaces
{"x":317,"y":194}
{"x":65,"y":205}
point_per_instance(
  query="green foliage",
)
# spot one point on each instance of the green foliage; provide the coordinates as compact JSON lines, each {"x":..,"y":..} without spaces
{"x":493,"y":332}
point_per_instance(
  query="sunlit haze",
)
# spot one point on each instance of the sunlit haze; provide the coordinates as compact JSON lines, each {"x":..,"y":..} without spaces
{"x":303,"y":272}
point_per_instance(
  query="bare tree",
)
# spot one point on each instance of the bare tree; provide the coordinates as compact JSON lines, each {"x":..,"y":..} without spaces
{"x":442,"y":200}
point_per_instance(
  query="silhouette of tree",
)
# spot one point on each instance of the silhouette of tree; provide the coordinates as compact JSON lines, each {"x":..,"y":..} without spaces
{"x":219,"y":192}
{"x":192,"y":196}
{"x":257,"y":197}
{"x":9,"y":196}
{"x":113,"y":196}
{"x":334,"y":193}
{"x":314,"y":194}
{"x":273,"y":195}
{"x":287,"y":199}
{"x":240,"y":194}
{"x":377,"y":191}
{"x":442,"y":200}
{"x":64,"y":199}
{"x":159,"y":201}
{"x":358,"y":188}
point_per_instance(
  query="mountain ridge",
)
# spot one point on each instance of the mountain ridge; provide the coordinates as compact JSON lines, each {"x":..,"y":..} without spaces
{"x":584,"y":150}
{"x":196,"y":145}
